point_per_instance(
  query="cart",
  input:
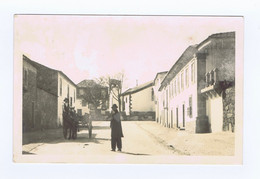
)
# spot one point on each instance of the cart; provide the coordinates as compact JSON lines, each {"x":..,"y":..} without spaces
{"x":85,"y":122}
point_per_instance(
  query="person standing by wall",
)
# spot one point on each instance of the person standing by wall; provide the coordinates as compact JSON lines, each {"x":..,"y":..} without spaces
{"x":116,"y":129}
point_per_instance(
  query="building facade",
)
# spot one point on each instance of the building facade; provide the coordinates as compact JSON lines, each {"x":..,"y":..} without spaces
{"x":179,"y":93}
{"x":138,"y":102}
{"x":158,"y":95}
{"x":52,"y":87}
{"x":198,"y":92}
{"x":219,"y":88}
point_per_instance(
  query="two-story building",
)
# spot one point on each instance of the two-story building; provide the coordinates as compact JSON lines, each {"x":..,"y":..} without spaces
{"x":179,"y":92}
{"x":158,"y":95}
{"x":219,"y":89}
{"x":138,"y":102}
{"x":198,"y":92}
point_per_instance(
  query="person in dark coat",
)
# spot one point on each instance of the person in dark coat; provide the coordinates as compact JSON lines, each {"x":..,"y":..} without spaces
{"x":116,"y":129}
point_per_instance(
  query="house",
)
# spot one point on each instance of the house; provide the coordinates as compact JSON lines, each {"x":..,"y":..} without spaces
{"x":157,"y":95}
{"x":91,"y":96}
{"x":198,"y":92}
{"x":138,"y":102}
{"x":53,"y":87}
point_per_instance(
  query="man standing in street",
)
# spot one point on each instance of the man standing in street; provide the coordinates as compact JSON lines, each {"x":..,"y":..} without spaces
{"x":116,"y":129}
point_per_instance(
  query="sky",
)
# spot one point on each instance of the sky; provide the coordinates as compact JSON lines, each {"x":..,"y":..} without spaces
{"x":87,"y":47}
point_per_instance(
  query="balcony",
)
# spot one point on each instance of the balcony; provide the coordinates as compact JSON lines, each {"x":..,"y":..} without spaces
{"x":212,"y":87}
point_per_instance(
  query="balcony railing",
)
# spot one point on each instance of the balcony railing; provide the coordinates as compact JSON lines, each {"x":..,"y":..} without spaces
{"x":212,"y":84}
{"x":211,"y":77}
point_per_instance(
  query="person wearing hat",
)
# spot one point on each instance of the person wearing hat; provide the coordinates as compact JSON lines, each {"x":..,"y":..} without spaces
{"x":116,"y":129}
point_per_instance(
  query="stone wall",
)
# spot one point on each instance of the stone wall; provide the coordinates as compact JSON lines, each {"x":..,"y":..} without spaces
{"x":139,"y":116}
{"x":229,"y":109}
{"x":29,"y":97}
{"x":47,"y":108}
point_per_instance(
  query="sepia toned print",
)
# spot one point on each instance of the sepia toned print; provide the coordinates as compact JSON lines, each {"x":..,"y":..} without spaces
{"x":128,"y":89}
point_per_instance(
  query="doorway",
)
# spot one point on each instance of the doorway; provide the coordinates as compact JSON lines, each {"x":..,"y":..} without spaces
{"x":183,"y":115}
{"x":177,"y":119}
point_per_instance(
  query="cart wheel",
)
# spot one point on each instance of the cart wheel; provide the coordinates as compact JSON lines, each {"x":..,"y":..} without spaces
{"x":90,"y":131}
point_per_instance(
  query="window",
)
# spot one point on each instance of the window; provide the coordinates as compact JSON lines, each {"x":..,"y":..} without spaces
{"x":60,"y":87}
{"x":187,"y":77}
{"x":126,"y":99}
{"x":193,"y":72}
{"x":182,"y":81}
{"x":190,"y":107}
{"x":74,"y":96}
{"x":84,"y":103}
{"x":79,"y":111}
{"x":166,"y":105}
{"x":68,"y":92}
{"x":172,"y":89}
{"x":175,"y":87}
{"x":178,"y":85}
{"x":152,"y":94}
{"x":70,"y":101}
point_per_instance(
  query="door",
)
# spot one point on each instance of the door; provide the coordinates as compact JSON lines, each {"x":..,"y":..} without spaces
{"x":177,"y":119}
{"x":183,"y":115}
{"x":171,"y":118}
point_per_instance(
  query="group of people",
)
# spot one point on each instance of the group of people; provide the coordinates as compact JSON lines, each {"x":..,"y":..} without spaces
{"x":115,"y":124}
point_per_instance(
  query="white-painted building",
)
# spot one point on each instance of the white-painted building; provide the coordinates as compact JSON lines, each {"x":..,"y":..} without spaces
{"x":66,"y":89}
{"x":138,"y":99}
{"x":158,"y":95}
{"x":179,"y":93}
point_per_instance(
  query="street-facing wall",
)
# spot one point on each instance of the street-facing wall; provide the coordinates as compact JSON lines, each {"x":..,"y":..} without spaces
{"x":29,"y":96}
{"x":46,"y":109}
{"x":142,"y":101}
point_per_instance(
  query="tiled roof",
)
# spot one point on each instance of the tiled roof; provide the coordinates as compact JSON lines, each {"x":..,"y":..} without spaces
{"x":40,"y":66}
{"x":179,"y":64}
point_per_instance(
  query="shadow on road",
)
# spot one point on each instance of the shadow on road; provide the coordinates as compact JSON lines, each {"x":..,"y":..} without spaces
{"x":100,"y":127}
{"x":130,"y":153}
{"x":27,"y":153}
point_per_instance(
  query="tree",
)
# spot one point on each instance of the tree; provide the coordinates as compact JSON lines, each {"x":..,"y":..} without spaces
{"x":92,"y":93}
{"x":113,"y":81}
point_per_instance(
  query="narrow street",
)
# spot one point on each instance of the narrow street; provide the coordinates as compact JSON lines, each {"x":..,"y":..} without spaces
{"x":143,"y":141}
{"x":137,"y":141}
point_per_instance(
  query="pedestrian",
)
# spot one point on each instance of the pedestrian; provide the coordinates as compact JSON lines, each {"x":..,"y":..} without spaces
{"x":116,"y":129}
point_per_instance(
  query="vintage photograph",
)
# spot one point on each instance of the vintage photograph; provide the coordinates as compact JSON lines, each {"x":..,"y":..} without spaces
{"x":128,"y":89}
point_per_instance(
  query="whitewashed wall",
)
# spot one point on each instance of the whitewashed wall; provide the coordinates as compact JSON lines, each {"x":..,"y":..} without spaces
{"x":61,"y":97}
